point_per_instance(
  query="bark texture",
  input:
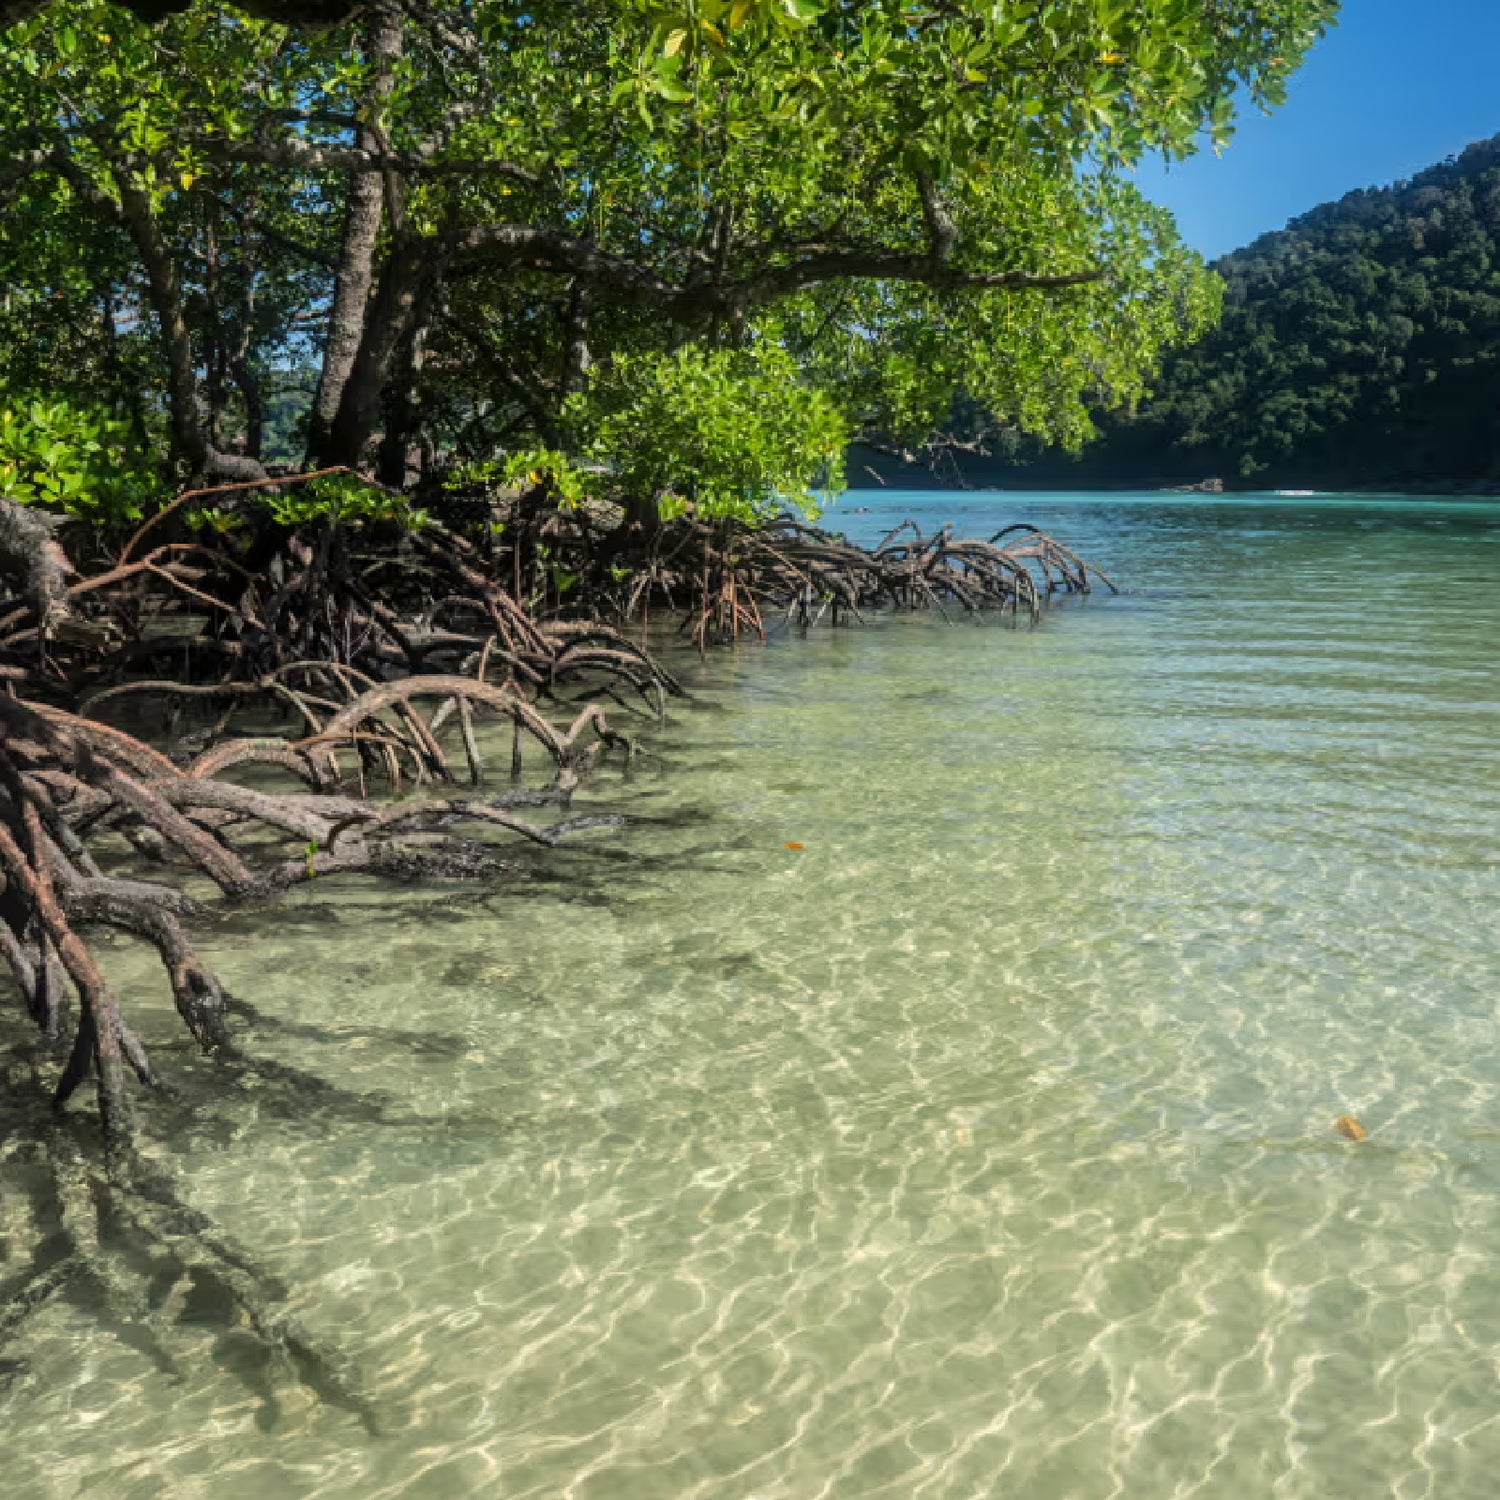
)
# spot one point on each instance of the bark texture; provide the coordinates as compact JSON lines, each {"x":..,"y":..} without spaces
{"x":362,"y":224}
{"x":34,"y":561}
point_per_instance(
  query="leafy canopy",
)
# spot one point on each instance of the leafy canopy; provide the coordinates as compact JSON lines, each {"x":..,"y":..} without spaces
{"x":912,"y":202}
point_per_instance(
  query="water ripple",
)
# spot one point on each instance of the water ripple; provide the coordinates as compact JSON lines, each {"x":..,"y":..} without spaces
{"x":982,"y":1147}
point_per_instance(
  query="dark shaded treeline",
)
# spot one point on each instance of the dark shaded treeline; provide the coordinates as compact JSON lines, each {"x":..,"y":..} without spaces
{"x":1360,"y":348}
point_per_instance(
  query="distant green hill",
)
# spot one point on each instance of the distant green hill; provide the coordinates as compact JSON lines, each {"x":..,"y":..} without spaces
{"x":1360,"y":347}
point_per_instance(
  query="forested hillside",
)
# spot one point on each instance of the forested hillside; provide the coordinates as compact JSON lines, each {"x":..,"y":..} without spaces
{"x":1359,"y":346}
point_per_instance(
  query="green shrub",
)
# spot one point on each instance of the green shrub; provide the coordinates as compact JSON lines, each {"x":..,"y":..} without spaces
{"x":74,"y":459}
{"x":340,"y":497}
{"x":343,"y":499}
{"x":733,"y":432}
{"x":723,"y":432}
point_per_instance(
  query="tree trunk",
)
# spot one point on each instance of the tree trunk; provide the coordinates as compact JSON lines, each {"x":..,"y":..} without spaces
{"x":189,"y":441}
{"x":31,"y":557}
{"x":406,"y":285}
{"x":356,"y":273}
{"x":241,"y":357}
{"x":400,"y":394}
{"x":129,"y":390}
{"x":249,"y":385}
{"x":642,"y":514}
{"x":165,"y":290}
{"x":577,"y":361}
{"x":213,"y":340}
{"x":395,"y":442}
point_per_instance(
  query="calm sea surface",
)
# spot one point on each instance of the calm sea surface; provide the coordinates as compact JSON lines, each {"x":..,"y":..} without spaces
{"x":984,"y":1147}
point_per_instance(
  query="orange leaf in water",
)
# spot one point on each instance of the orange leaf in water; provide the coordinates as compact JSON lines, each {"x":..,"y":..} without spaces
{"x":798,"y":847}
{"x":1349,"y":1126}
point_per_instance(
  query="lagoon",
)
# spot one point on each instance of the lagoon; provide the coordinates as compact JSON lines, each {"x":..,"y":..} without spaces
{"x":984,"y":1145}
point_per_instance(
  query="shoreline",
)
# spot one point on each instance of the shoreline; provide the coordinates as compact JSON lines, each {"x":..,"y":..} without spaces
{"x":1169,"y":493}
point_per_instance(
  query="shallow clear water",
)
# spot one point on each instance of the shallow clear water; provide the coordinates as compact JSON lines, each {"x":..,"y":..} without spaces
{"x":985,"y":1146}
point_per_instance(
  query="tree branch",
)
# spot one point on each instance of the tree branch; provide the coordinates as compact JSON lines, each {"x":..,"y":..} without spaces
{"x":942,"y":228}
{"x":525,"y":393}
{"x":523,"y":246}
{"x":309,"y":15}
{"x":288,"y":151}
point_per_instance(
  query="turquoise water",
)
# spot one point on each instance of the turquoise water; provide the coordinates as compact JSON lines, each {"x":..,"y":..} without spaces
{"x":982,"y":1147}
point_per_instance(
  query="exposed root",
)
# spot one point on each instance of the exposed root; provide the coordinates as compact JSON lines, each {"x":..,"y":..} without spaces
{"x":67,"y":786}
{"x":277,"y":616}
{"x":722,"y":579}
{"x":65,"y":782}
{"x":809,"y":573}
{"x":331,"y":663}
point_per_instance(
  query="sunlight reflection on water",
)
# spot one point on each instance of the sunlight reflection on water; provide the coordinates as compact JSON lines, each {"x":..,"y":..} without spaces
{"x":984,"y":1145}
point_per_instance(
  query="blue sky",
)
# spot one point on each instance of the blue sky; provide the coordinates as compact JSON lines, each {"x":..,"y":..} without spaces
{"x":1396,"y":86}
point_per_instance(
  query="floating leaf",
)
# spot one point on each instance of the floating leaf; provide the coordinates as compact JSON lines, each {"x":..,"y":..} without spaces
{"x":798,"y":847}
{"x":1347,"y":1125}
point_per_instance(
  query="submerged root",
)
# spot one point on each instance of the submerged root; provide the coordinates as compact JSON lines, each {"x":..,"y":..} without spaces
{"x":66,"y":783}
{"x":68,"y":786}
{"x":332,"y":665}
{"x":133,"y":1255}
